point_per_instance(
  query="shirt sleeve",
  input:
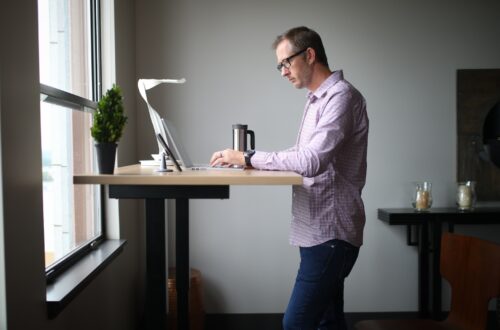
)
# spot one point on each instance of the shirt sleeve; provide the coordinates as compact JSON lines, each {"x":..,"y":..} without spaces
{"x":335,"y":124}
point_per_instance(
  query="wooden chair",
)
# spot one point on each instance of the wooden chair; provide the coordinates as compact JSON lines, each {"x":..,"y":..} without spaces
{"x":472,"y":267}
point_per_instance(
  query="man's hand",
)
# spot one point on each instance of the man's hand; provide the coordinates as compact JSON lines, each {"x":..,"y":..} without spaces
{"x":227,"y":157}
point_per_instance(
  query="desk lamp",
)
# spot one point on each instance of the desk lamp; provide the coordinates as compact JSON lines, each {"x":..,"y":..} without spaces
{"x":145,"y":84}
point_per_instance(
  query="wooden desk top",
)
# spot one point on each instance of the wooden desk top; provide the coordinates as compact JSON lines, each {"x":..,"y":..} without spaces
{"x":146,"y":175}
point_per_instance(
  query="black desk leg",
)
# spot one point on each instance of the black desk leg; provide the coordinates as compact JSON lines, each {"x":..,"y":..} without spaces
{"x":423,"y":271}
{"x":182,"y":261}
{"x":436,"y":274}
{"x":156,"y":277}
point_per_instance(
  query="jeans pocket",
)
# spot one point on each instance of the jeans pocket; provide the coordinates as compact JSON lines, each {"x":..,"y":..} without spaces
{"x":314,"y":262}
{"x":334,"y":259}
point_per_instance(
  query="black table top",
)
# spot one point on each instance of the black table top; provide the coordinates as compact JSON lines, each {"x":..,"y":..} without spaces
{"x":408,"y":216}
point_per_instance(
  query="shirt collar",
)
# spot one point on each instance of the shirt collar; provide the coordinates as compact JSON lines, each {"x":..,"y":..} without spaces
{"x":335,"y":77}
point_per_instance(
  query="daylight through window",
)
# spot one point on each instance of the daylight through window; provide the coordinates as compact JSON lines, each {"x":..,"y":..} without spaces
{"x":67,"y":39}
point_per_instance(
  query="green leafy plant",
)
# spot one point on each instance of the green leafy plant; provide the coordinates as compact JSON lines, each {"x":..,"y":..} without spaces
{"x":109,"y":118}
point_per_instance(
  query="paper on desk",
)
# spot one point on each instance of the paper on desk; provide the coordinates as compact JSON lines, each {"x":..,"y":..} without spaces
{"x":144,"y":85}
{"x":154,"y":162}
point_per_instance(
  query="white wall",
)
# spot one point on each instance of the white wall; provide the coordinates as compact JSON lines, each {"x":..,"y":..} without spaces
{"x":113,"y":299}
{"x":402,"y":57}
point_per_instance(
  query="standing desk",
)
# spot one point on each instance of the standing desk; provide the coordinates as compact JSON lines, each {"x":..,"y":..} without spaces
{"x":428,"y":241}
{"x":141,"y":182}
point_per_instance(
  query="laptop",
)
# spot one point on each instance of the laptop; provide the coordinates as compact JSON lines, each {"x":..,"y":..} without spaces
{"x":181,"y":153}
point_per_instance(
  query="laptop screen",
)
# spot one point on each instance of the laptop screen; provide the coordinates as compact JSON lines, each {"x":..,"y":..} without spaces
{"x":173,"y":141}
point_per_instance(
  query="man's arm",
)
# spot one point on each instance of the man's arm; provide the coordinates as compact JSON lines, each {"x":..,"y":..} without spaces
{"x":335,"y":125}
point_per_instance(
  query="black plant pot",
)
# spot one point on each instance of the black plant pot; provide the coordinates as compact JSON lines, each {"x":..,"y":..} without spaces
{"x":106,"y":153}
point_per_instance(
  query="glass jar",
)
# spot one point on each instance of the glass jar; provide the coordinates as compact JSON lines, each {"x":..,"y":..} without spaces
{"x":422,"y":196}
{"x":466,"y":195}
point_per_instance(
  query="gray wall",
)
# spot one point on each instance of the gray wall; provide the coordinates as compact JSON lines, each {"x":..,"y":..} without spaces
{"x":23,"y":226}
{"x":3,"y":309}
{"x":403,"y":57}
{"x":113,"y":299}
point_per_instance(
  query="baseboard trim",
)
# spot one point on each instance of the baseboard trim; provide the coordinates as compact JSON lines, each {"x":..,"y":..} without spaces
{"x":243,"y":321}
{"x":273,"y":321}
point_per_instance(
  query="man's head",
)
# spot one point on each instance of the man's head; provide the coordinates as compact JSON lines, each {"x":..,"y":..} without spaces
{"x":301,"y":56}
{"x":302,"y":38}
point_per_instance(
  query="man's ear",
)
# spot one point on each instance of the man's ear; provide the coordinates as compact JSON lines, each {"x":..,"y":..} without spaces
{"x":310,"y":55}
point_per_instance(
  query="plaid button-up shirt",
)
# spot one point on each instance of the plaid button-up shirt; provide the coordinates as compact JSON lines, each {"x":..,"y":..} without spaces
{"x":330,"y":154}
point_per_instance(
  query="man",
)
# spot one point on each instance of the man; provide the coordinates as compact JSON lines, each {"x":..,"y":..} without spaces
{"x":330,"y":153}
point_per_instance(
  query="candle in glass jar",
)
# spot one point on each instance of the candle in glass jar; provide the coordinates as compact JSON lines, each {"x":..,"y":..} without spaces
{"x":422,"y":197}
{"x":422,"y":200}
{"x":464,"y":196}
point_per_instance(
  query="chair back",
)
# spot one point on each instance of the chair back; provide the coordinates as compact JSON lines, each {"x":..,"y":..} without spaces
{"x":472,"y":267}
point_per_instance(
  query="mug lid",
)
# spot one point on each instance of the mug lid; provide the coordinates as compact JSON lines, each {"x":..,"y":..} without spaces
{"x":240,"y":126}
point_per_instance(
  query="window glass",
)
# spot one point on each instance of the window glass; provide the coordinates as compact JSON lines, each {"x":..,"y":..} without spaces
{"x":72,"y":213}
{"x":64,"y":45}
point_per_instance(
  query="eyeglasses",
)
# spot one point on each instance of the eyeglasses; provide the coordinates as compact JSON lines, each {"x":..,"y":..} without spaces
{"x":286,"y":62}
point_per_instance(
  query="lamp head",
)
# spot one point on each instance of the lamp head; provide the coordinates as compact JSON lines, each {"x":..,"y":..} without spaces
{"x":150,"y":83}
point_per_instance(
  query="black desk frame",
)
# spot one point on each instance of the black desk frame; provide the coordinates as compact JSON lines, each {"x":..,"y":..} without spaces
{"x":156,"y":274}
{"x":430,"y":225}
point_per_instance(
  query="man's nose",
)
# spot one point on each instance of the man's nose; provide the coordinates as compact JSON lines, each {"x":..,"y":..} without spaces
{"x":284,"y":72}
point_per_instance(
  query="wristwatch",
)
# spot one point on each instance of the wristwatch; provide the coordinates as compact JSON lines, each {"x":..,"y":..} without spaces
{"x":248,"y":155}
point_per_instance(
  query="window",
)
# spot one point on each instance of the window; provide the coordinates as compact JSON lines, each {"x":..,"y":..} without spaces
{"x":69,"y":77}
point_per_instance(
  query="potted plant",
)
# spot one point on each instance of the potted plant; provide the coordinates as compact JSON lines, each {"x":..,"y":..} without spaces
{"x":108,"y":123}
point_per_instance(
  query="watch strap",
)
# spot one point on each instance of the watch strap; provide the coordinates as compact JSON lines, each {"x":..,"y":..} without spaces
{"x":248,"y":155}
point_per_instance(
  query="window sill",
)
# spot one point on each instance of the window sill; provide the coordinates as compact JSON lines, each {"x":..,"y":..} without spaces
{"x":68,"y":284}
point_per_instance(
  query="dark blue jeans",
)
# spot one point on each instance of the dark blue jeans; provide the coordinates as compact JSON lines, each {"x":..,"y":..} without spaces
{"x":317,"y":300}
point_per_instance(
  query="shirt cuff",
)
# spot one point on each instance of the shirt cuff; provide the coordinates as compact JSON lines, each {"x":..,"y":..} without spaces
{"x":258,"y":159}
